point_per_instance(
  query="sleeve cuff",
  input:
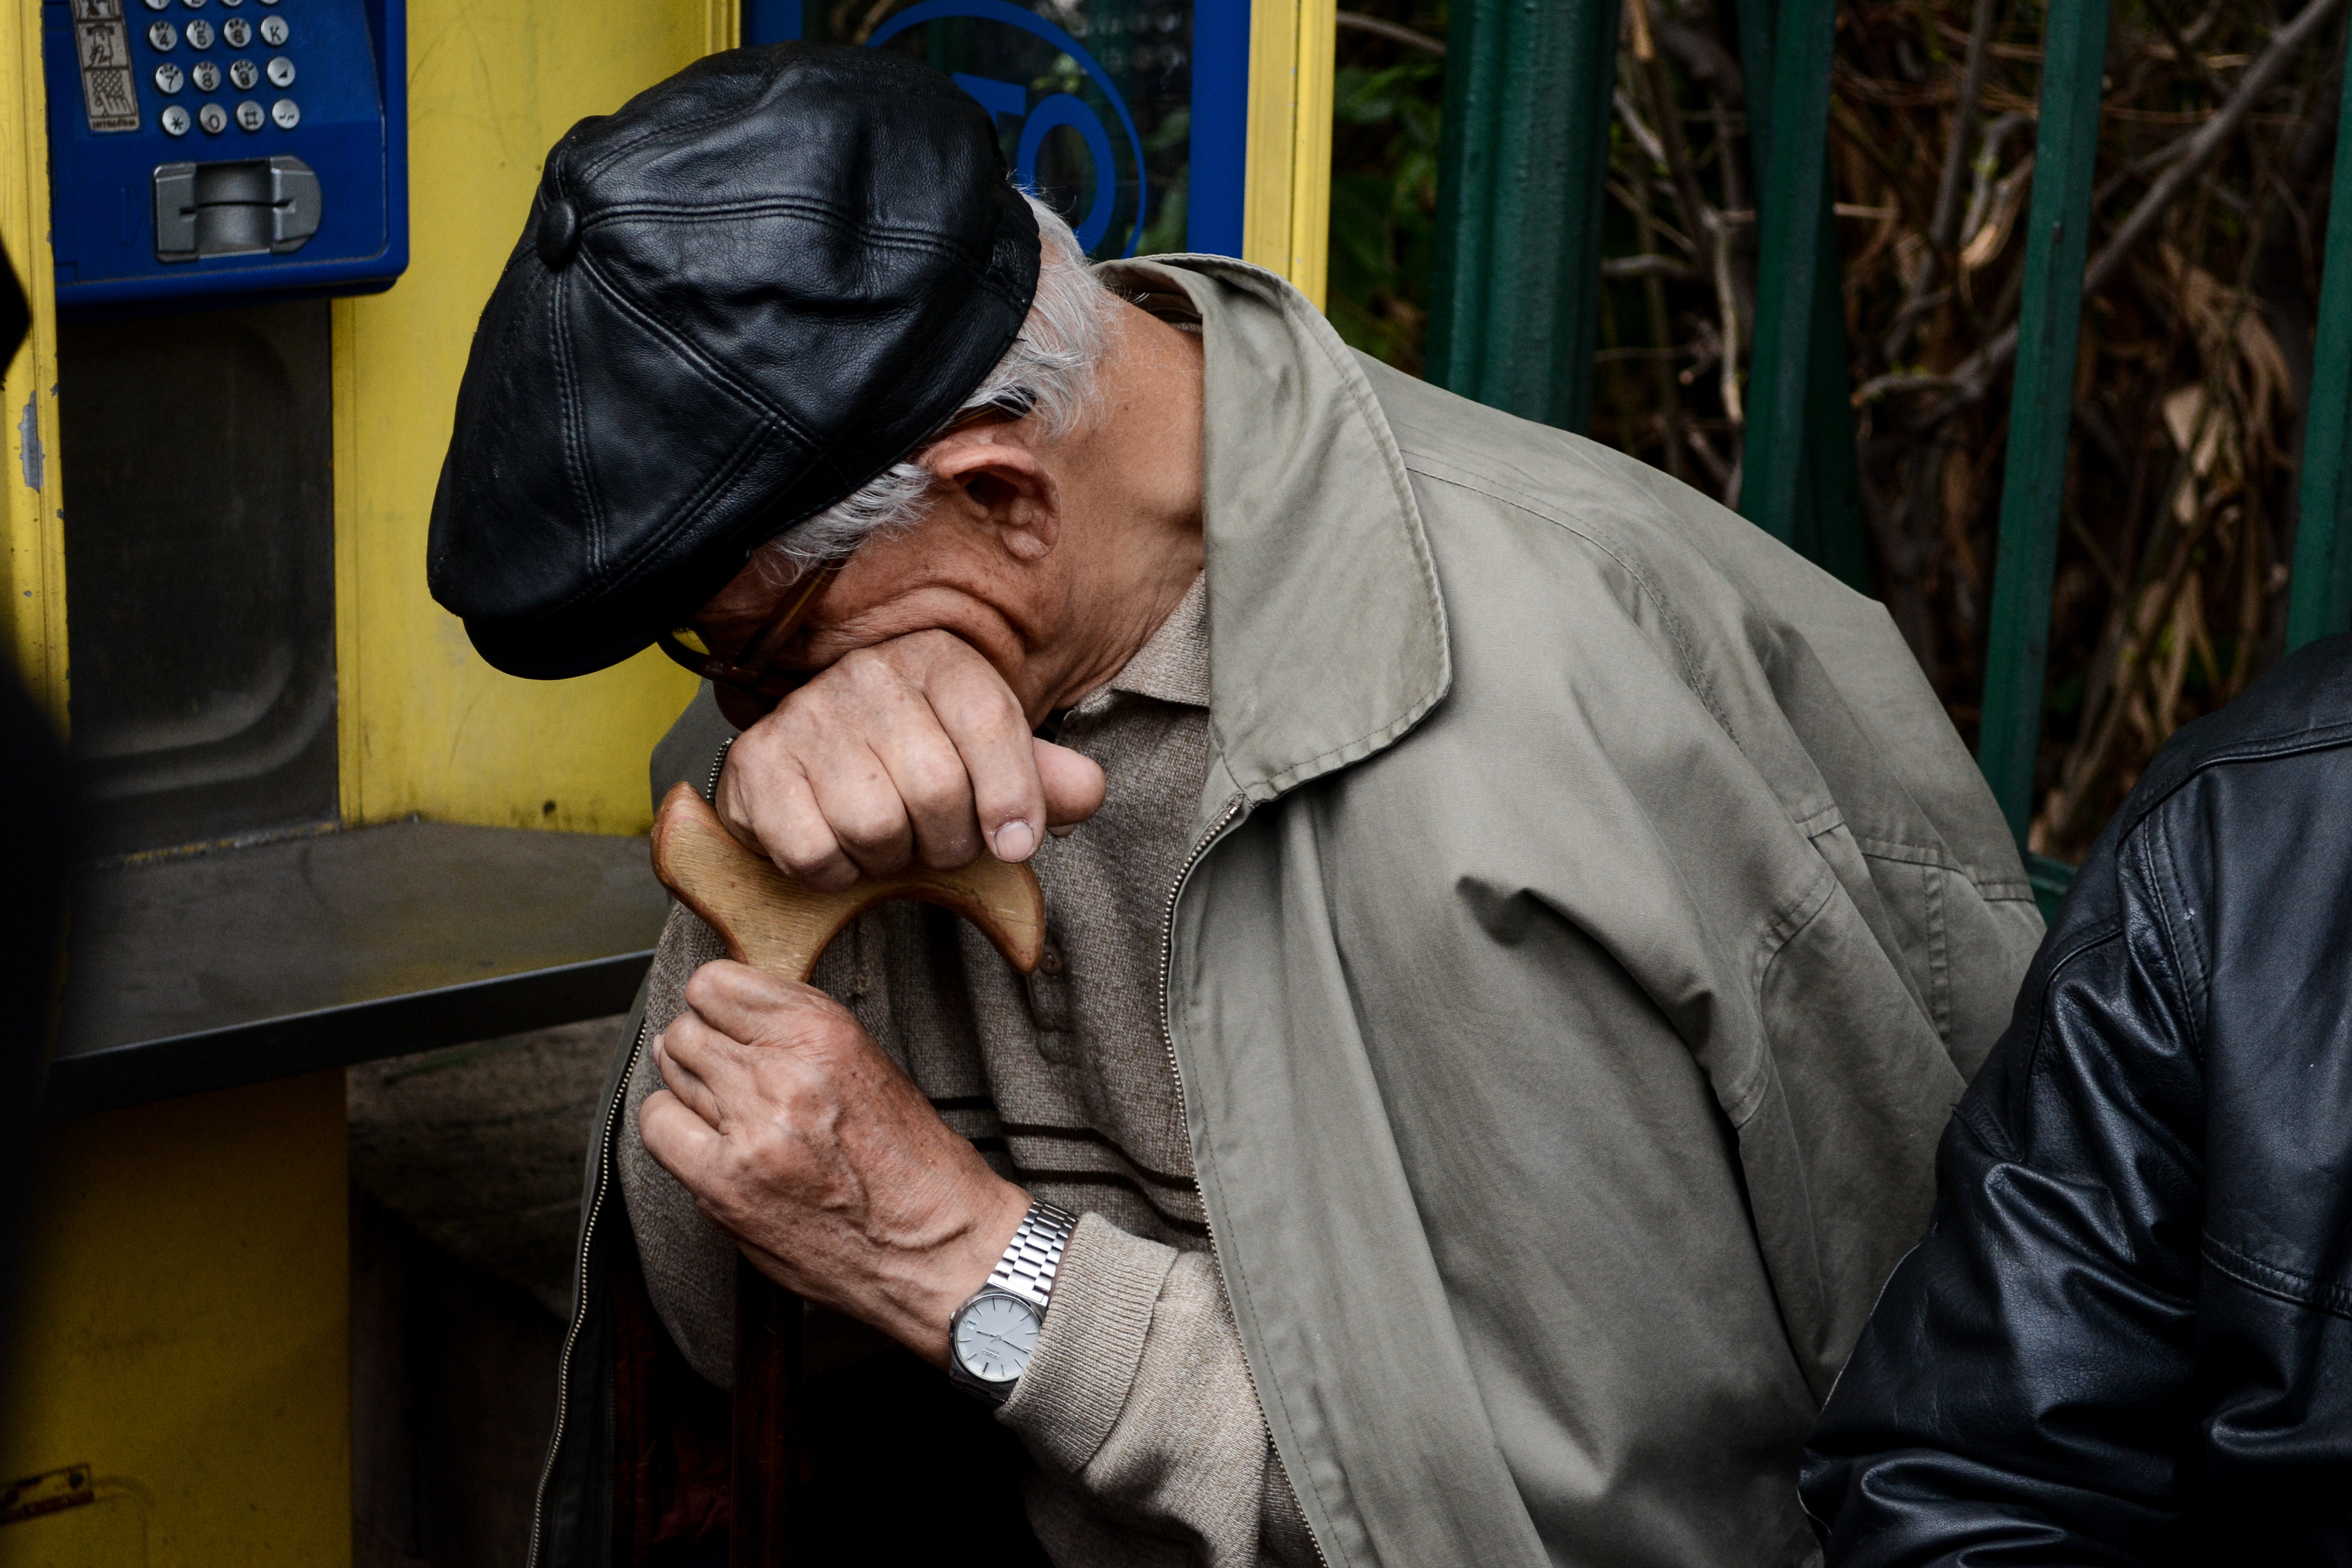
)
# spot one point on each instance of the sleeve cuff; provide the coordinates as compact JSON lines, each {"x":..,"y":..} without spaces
{"x":1076,"y":1385}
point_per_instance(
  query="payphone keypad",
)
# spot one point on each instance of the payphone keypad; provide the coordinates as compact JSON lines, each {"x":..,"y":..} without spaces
{"x":197,"y":34}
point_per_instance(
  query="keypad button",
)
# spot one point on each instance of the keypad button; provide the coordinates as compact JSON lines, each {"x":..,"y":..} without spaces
{"x":212,"y":118}
{"x":242,"y":76}
{"x":281,"y":71}
{"x":194,"y":5}
{"x":249,"y":115}
{"x":169,"y":78}
{"x":237,"y":32}
{"x":159,"y":5}
{"x":200,"y":34}
{"x":175,"y":119}
{"x":273,"y":31}
{"x":163,"y":37}
{"x":231,"y":5}
{"x":283,"y":111}
{"x":206,"y":75}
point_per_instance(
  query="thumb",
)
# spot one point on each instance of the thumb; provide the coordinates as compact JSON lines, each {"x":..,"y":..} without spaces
{"x":1073,"y":783}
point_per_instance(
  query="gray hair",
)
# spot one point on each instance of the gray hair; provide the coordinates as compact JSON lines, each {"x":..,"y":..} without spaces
{"x":1049,"y":369}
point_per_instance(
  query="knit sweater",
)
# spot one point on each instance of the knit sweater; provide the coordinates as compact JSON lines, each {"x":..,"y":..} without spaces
{"x":1138,"y":1407}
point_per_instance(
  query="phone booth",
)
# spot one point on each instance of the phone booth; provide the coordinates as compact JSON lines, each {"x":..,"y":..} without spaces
{"x":1147,"y":99}
{"x":1153,"y":125}
{"x":256,"y":235}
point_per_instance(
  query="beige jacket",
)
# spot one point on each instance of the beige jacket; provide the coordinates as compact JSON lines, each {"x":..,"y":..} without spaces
{"x":1594,"y":920}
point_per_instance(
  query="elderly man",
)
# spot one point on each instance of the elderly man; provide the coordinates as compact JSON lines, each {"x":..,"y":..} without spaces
{"x":1518,"y":934}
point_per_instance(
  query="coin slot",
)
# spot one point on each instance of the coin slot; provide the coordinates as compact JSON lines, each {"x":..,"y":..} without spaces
{"x":235,"y":208}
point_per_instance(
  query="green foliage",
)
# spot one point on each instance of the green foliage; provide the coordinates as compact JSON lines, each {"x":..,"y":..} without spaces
{"x":1383,"y":205}
{"x":1165,"y":235}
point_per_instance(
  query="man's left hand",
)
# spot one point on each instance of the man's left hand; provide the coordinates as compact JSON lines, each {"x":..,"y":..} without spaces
{"x":801,"y":1139}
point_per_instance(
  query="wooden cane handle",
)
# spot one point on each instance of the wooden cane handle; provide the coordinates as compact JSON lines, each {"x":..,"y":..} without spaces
{"x":775,"y":925}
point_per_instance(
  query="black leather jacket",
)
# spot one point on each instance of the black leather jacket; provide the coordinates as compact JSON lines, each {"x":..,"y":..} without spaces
{"x":2127,"y":1337}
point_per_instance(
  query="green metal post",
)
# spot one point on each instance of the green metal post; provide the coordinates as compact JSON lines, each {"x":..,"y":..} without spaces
{"x":1524,"y":152}
{"x":1815,"y":487}
{"x":2042,"y":404}
{"x":1790,"y":238}
{"x":2321,"y":598}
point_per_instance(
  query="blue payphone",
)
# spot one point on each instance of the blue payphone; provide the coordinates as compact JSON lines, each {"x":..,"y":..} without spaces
{"x":1127,"y":115}
{"x":217,"y":150}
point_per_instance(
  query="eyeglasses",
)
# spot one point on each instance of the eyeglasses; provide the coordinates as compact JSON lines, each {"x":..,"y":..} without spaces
{"x":753,"y":669}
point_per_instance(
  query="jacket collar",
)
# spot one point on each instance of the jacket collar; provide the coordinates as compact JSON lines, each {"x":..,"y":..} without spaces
{"x":1327,"y":634}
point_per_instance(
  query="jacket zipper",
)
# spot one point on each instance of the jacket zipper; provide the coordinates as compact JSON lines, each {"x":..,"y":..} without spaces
{"x":595,"y":1212}
{"x":1183,"y":1108}
{"x":580,"y":1273}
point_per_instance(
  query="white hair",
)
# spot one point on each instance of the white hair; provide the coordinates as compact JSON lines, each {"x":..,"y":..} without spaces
{"x":1049,"y":371}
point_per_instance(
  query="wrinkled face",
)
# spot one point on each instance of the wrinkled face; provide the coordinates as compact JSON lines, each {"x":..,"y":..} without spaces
{"x":946,"y":573}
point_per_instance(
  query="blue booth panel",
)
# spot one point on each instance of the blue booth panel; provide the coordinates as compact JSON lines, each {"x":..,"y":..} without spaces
{"x":218,"y":151}
{"x":1128,"y":116}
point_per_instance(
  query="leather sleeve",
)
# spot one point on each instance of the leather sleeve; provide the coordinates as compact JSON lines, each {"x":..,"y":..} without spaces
{"x":2023,"y":1387}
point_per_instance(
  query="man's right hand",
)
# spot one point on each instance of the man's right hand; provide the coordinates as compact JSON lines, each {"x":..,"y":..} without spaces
{"x":911,"y":749}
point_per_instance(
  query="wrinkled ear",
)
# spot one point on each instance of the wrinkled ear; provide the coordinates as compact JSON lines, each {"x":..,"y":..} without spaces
{"x":1003,"y":485}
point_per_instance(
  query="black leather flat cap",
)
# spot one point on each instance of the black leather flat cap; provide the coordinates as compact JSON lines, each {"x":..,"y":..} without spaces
{"x":738,"y":300}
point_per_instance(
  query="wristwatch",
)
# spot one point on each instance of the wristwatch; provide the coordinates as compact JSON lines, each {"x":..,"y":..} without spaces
{"x":992,"y":1336}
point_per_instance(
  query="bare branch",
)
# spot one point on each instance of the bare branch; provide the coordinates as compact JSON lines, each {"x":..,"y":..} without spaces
{"x":1727,"y":305}
{"x":1698,"y":217}
{"x":1703,"y":61}
{"x":1639,"y":130}
{"x":2181,"y":51}
{"x":1616,"y":268}
{"x":1973,"y":376}
{"x":1944,"y":229}
{"x":1988,"y":165}
{"x":1392,"y":32}
{"x":2209,"y":139}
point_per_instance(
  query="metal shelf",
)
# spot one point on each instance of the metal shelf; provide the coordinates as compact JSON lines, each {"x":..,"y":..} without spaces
{"x":206,"y":971}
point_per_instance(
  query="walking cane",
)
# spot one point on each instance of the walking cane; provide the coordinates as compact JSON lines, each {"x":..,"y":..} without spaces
{"x":775,"y":925}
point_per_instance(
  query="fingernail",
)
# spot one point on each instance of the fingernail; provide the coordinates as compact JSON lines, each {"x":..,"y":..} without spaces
{"x":1015,"y":839}
{"x":1063,"y":831}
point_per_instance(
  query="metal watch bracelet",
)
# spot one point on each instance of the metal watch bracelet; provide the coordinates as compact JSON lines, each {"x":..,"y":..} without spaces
{"x":1029,"y":1260}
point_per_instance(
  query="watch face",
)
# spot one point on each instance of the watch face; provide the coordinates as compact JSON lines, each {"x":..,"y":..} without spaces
{"x":995,"y":1336}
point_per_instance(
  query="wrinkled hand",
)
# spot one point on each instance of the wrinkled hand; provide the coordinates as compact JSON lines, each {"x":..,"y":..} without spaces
{"x":913,"y":748}
{"x":800,"y":1139}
